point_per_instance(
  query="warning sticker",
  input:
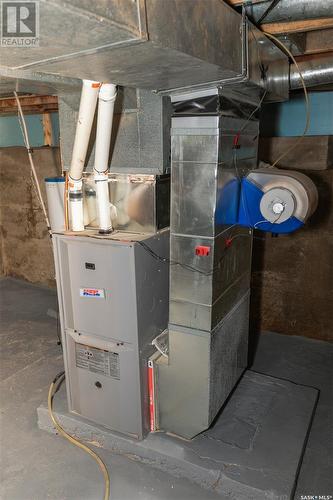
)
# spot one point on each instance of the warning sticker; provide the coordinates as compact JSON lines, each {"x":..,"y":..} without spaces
{"x":97,"y":360}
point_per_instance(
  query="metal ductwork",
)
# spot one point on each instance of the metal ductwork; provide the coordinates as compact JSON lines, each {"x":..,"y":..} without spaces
{"x":131,"y":44}
{"x":315,"y":70}
{"x":289,"y":10}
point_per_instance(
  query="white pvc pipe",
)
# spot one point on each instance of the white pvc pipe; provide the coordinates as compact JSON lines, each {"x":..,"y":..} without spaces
{"x":89,"y":95}
{"x":103,"y":203}
{"x":85,"y":120}
{"x":106,"y":99}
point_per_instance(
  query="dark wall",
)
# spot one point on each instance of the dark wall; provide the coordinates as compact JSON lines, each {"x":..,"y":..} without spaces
{"x":25,"y":243}
{"x":292,"y":280}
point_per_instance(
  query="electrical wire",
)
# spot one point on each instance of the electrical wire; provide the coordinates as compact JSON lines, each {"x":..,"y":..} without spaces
{"x":306,"y":97}
{"x":32,"y":165}
{"x":188,"y":267}
{"x":66,"y":202}
{"x":54,"y":387}
{"x":253,"y":112}
{"x":307,"y":123}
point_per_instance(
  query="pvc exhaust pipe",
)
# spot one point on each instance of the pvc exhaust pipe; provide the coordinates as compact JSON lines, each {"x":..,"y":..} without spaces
{"x":89,"y":95}
{"x":103,"y":203}
{"x":106,"y":100}
{"x":85,"y":120}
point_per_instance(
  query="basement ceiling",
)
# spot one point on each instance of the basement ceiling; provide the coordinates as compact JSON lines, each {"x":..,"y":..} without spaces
{"x":76,"y":27}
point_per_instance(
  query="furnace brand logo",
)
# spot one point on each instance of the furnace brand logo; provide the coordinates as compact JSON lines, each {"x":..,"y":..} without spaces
{"x":20,"y":24}
{"x":96,"y":293}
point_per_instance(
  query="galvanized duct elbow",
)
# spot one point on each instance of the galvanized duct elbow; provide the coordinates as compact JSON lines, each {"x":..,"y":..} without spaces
{"x":290,"y":10}
{"x":315,"y":71}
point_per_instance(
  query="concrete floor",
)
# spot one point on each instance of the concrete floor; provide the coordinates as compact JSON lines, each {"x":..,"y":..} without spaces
{"x":36,"y":465}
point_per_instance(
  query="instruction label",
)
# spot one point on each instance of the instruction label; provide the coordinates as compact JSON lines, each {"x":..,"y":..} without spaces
{"x":97,"y":360}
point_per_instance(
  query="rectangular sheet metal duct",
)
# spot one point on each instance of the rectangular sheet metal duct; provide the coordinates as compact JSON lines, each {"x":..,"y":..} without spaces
{"x":149,"y":44}
{"x":209,"y":288}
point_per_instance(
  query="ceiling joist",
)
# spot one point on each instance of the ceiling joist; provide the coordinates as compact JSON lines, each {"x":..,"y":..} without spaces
{"x":30,"y":104}
{"x":297,"y":26}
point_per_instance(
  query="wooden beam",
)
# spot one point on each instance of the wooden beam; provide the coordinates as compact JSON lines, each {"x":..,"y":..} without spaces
{"x":47,"y":129}
{"x":297,"y":26}
{"x":30,"y":104}
{"x":313,"y":57}
{"x":240,"y":2}
{"x":319,"y":41}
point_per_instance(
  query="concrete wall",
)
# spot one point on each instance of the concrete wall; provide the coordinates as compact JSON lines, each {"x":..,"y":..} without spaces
{"x":292,"y":280}
{"x":25,"y":244}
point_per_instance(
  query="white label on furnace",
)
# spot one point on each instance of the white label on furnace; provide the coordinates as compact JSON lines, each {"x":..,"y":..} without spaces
{"x":97,"y":360}
{"x":95,"y":293}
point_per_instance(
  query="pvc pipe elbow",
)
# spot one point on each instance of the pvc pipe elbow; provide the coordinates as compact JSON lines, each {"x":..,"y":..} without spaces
{"x":108,"y":92}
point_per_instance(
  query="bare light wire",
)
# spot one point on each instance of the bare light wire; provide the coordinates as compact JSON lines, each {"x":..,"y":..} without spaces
{"x":306,"y":97}
{"x":25,"y":135}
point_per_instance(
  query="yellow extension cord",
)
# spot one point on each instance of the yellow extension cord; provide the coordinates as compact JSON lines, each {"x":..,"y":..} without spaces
{"x":52,"y":390}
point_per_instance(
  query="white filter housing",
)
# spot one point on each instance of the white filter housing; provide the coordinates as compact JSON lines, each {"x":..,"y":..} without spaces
{"x":55,"y":192}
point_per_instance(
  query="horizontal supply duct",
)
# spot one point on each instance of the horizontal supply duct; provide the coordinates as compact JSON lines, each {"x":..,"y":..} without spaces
{"x":125,"y":42}
{"x":316,"y":70}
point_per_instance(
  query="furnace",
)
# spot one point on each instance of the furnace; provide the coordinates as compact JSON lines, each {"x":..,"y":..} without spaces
{"x":114,"y":302}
